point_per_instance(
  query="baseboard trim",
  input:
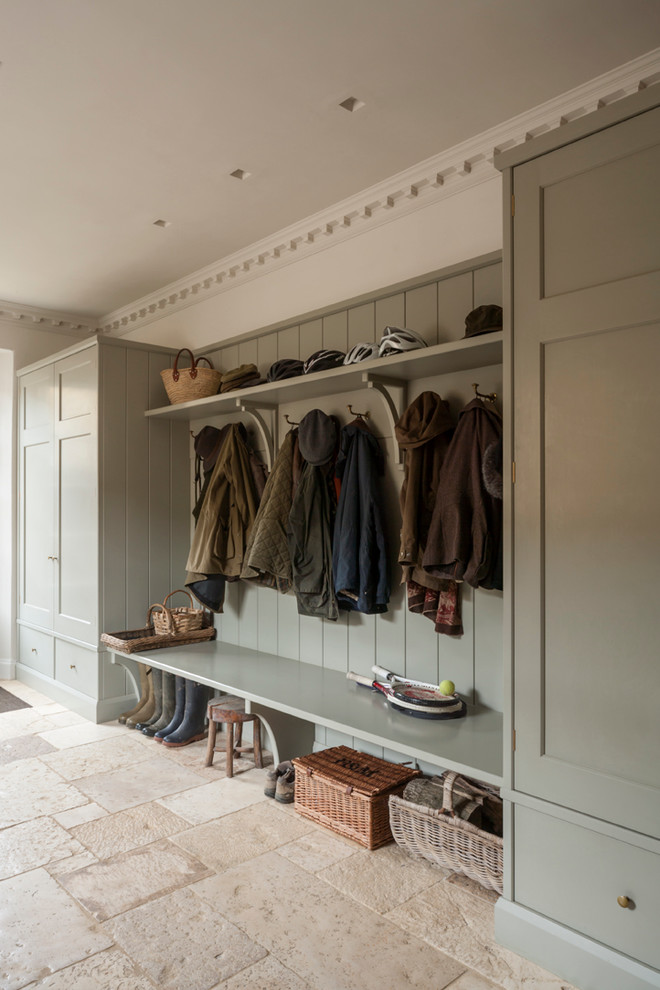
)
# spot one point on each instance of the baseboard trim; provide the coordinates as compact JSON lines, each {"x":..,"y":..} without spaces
{"x":579,"y":960}
{"x":94,"y":710}
{"x":7,"y":670}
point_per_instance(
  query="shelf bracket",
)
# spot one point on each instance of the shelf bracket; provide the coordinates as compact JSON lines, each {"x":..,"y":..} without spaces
{"x":263,"y":430}
{"x":393,"y":392}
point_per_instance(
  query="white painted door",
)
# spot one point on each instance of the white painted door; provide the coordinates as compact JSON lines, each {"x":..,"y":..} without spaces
{"x":37,"y":543}
{"x":76,"y":587}
{"x":587,"y":492}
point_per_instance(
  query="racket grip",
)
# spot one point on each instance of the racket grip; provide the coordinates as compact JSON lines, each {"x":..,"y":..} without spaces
{"x":383,"y":672}
{"x":359,"y":679}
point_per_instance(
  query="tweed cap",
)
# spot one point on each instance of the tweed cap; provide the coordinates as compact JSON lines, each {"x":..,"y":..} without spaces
{"x":483,"y":319}
{"x":317,"y":437}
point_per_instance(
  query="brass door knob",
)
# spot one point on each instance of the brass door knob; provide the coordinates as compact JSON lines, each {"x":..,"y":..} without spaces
{"x":623,"y":901}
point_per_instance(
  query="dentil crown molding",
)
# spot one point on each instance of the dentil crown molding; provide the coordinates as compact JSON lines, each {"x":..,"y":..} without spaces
{"x":47,"y":319}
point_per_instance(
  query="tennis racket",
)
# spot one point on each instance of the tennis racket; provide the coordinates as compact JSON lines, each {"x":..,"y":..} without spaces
{"x":419,"y":702}
{"x":393,"y":678}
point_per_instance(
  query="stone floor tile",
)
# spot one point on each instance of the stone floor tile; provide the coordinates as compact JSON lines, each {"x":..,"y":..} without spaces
{"x":27,"y":693}
{"x":461,"y":925}
{"x":240,"y":836}
{"x":319,"y":849}
{"x":112,"y":834}
{"x":22,"y":747}
{"x":460,"y":880}
{"x":108,"y":970}
{"x":129,"y":879}
{"x":96,"y":757}
{"x":78,"y":735}
{"x":77,"y":862}
{"x":146,"y":781}
{"x":326,"y":938}
{"x":42,"y":930}
{"x":472,"y":981}
{"x":184,"y":943}
{"x":382,"y":878}
{"x":24,"y":721}
{"x":267,"y":974}
{"x":63,"y":719}
{"x":29,"y":789}
{"x":31,"y":844}
{"x":218,"y":798}
{"x":77,"y":816}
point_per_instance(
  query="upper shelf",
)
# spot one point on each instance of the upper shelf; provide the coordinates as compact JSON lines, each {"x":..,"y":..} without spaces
{"x":442,"y":359}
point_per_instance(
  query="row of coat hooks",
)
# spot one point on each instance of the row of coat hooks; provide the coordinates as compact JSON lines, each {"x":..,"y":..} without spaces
{"x":353,"y":412}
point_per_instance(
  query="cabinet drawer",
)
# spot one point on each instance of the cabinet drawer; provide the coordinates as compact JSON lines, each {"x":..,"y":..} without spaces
{"x":35,"y":650}
{"x":77,"y":667}
{"x":574,"y":876}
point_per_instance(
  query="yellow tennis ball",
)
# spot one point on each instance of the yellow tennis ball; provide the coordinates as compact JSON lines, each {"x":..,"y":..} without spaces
{"x":447,"y":687}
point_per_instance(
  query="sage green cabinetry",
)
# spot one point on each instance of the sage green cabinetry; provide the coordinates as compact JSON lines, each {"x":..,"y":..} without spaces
{"x":583,"y":259}
{"x":98,"y":542}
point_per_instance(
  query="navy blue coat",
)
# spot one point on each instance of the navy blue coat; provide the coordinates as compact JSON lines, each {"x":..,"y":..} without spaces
{"x":359,"y":552}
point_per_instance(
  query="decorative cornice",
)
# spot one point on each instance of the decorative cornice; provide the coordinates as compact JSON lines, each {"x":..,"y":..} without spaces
{"x":453,"y":171}
{"x":47,"y":319}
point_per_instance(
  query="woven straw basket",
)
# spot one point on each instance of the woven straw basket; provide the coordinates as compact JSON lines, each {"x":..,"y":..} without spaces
{"x":446,"y":840}
{"x":191,"y":383}
{"x":168,"y":621}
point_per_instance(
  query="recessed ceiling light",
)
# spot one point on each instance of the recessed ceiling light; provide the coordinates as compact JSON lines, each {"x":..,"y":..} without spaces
{"x":240,"y":173}
{"x":162,"y":223}
{"x":351,"y":104}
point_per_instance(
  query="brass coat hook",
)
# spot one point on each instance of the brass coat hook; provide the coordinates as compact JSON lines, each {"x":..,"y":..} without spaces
{"x":480,"y":395}
{"x":290,"y":421}
{"x":364,"y":415}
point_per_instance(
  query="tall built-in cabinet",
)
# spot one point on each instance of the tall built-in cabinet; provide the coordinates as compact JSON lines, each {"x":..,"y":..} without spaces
{"x":102,"y":515}
{"x":582,"y":260}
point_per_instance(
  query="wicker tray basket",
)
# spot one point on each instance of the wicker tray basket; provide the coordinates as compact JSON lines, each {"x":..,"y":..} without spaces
{"x":446,"y":840}
{"x":186,"y":384}
{"x":146,"y":638}
{"x":347,"y":792}
{"x":178,"y":619}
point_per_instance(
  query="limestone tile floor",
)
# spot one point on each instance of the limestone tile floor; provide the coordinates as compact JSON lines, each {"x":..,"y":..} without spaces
{"x":125,"y":866}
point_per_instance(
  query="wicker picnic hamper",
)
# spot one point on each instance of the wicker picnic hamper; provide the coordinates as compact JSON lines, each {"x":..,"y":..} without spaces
{"x":186,"y":384}
{"x":146,"y":638}
{"x":442,"y":838}
{"x":177,"y":619}
{"x":347,"y":792}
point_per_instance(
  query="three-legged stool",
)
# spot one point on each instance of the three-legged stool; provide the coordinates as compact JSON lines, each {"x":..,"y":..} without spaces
{"x":231,"y":712}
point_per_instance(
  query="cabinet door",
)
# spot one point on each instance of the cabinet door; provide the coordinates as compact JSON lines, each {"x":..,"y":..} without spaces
{"x":37,"y":545}
{"x":587,"y":450}
{"x":76,"y":498}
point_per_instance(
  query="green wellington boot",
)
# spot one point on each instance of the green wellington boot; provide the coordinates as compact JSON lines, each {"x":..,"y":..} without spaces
{"x":144,"y":694}
{"x":168,"y":707}
{"x":157,"y":681}
{"x":147,"y":710}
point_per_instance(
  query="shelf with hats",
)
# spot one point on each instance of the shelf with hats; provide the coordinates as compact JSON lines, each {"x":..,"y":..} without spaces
{"x":394,"y":370}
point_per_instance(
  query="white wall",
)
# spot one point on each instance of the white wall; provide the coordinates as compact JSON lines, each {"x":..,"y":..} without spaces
{"x":452,"y":230}
{"x":19,"y":346}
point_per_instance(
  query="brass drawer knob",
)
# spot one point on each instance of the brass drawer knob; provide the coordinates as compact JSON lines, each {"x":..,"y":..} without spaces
{"x":623,"y":901}
{"x":72,"y":666}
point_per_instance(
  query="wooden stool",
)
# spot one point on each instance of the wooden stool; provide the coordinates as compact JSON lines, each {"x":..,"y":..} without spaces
{"x":231,"y":711}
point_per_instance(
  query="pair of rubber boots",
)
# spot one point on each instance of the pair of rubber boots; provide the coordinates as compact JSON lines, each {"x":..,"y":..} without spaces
{"x":171,"y":709}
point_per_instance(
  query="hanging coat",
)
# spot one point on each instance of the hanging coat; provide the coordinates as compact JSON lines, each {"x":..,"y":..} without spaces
{"x":310,"y":543}
{"x":359,"y":551}
{"x":267,"y":555}
{"x":465,"y":536}
{"x":227,"y":513}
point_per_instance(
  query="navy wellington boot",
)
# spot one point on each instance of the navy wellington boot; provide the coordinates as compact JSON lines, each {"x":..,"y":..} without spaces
{"x":179,"y":709}
{"x":157,"y":680}
{"x":193,"y":726}
{"x":169,"y":706}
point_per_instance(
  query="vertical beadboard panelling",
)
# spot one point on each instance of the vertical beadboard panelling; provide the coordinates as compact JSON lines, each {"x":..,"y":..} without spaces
{"x":157,"y":394}
{"x":390,"y":312}
{"x":159,"y":494}
{"x":488,"y":669}
{"x":335,"y":331}
{"x":267,"y":619}
{"x":248,"y":352}
{"x":288,"y":626}
{"x":181,"y":469}
{"x":362,"y":325}
{"x":488,"y":285}
{"x":454,"y":304}
{"x":248,"y":615}
{"x":311,"y":640}
{"x":335,"y":643}
{"x":266,"y":352}
{"x":311,"y":338}
{"x":456,"y":653}
{"x":231,"y":612}
{"x":288,"y":343}
{"x":229,"y":358}
{"x":361,"y":642}
{"x":113,"y":486}
{"x":137,"y":488}
{"x":422,"y":312}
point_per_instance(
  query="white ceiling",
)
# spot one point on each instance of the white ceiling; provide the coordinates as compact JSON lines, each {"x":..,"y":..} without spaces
{"x":118,"y":113}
